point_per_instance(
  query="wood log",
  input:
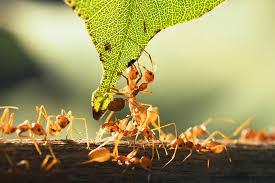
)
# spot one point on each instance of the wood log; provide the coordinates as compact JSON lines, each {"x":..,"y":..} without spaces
{"x":251,"y":162}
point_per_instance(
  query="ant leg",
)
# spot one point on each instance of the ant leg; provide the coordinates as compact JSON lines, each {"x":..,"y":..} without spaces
{"x":50,"y":124}
{"x":158,"y":128}
{"x":41,"y":111}
{"x":101,"y":131}
{"x":229,"y":158}
{"x":9,"y":107}
{"x":4,"y":119}
{"x":147,"y":54}
{"x":117,"y":140}
{"x":108,"y":140}
{"x":209,"y":120}
{"x":212,"y":135}
{"x":45,"y":161}
{"x":126,"y":79}
{"x":117,"y":92}
{"x":24,"y":163}
{"x":34,"y":142}
{"x":157,"y":148}
{"x":146,"y":91}
{"x":86,"y":131}
{"x":33,"y":139}
{"x":140,"y":103}
{"x":69,"y":130}
{"x":161,"y":132}
{"x":171,"y":158}
{"x":154,"y":67}
{"x":140,"y":74}
{"x":8,"y":124}
{"x":8,"y":158}
{"x":63,"y":112}
{"x":54,"y":161}
{"x":246,"y":123}
{"x":191,"y":151}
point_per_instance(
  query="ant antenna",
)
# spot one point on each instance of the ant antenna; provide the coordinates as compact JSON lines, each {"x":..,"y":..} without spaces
{"x":147,"y":54}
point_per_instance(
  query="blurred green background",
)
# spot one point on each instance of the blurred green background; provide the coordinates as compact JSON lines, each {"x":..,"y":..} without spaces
{"x":220,"y":65}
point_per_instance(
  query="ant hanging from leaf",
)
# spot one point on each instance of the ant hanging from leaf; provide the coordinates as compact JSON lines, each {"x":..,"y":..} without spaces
{"x":132,"y":89}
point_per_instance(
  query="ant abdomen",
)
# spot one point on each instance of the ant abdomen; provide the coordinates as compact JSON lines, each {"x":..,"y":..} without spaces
{"x":116,"y":104}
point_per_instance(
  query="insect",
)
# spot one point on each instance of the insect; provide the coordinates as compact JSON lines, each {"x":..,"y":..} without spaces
{"x":35,"y":128}
{"x":261,"y":135}
{"x":54,"y":128}
{"x":132,"y":159}
{"x":192,"y":133}
{"x":209,"y":145}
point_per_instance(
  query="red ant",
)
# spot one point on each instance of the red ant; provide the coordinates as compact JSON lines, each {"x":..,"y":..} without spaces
{"x":54,"y":128}
{"x":200,"y":130}
{"x":103,"y":154}
{"x":35,"y":128}
{"x":207,"y":146}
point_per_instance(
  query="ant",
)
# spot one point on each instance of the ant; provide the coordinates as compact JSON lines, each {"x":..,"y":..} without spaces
{"x":131,"y":159}
{"x":200,"y":130}
{"x":54,"y":128}
{"x":207,"y":146}
{"x":103,"y":154}
{"x":133,"y":77}
{"x":35,"y":128}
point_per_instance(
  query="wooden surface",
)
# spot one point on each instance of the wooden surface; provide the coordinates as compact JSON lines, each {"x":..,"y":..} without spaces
{"x":251,"y":162}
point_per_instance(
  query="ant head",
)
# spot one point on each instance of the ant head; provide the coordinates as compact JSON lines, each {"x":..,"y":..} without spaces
{"x":147,"y":132}
{"x":148,"y":75}
{"x":145,"y":163}
{"x":37,"y":129}
{"x":62,"y":121}
{"x":54,"y":131}
{"x":132,"y":73}
{"x":178,"y":142}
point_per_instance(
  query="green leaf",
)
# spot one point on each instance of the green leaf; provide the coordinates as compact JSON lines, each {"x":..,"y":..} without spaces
{"x":114,"y":24}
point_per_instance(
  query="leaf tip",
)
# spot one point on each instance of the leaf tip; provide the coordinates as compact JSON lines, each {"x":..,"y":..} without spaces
{"x":97,"y":115}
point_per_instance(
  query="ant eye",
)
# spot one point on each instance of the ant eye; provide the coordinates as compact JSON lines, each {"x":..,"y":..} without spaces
{"x":136,"y":73}
{"x":38,"y":130}
{"x":180,"y":145}
{"x":150,"y":73}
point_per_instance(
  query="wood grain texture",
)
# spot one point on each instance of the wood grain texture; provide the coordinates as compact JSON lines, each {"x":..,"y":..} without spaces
{"x":251,"y":162}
